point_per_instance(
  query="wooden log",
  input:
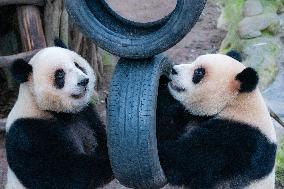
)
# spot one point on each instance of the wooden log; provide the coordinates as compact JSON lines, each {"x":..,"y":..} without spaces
{"x":97,"y":64}
{"x":6,"y":61}
{"x":55,"y":21}
{"x":64,"y":25}
{"x":30,"y":26}
{"x":75,"y":37}
{"x":52,"y":13}
{"x":21,"y":2}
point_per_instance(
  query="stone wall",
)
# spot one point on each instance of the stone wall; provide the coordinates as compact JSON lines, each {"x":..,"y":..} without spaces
{"x":254,"y":28}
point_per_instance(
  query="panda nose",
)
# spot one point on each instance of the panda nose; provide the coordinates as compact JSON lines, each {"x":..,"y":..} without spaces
{"x":174,"y":72}
{"x":83,"y":82}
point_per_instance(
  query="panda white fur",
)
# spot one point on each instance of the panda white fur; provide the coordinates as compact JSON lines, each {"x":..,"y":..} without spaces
{"x":54,"y":137}
{"x":213,"y":127}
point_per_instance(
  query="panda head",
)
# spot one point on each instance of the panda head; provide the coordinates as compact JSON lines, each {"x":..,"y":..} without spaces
{"x":59,"y":79}
{"x":210,"y":83}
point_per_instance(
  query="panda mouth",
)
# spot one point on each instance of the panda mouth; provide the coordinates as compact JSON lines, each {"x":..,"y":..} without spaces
{"x":80,"y":95}
{"x":77,"y":96}
{"x":176,"y":87}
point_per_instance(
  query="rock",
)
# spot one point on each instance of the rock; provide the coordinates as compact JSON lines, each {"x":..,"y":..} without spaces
{"x":274,"y":98}
{"x":281,"y":18}
{"x":252,"y":8}
{"x":274,"y":95}
{"x":282,"y":39}
{"x":251,"y":27}
{"x":280,"y":11}
{"x":222,"y":23}
{"x":262,"y":54}
{"x":279,"y":131}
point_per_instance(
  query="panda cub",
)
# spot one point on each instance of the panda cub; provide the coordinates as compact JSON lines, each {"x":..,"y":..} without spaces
{"x":230,"y":142}
{"x":55,"y":138}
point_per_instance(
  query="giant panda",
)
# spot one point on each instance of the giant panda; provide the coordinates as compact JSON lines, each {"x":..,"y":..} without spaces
{"x":54,"y":137}
{"x":213,"y":128}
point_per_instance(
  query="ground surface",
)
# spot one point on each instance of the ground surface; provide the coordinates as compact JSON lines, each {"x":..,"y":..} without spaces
{"x":204,"y":38}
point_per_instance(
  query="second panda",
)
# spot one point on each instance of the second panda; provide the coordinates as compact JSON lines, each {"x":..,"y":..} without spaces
{"x":55,"y":138}
{"x":232,"y":142}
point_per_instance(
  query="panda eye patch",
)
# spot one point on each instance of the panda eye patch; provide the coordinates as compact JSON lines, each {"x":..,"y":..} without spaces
{"x":59,"y":80}
{"x":198,"y":75}
{"x":80,"y":68}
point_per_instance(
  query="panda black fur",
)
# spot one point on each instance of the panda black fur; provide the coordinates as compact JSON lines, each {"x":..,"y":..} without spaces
{"x":55,"y":138}
{"x":210,"y":138}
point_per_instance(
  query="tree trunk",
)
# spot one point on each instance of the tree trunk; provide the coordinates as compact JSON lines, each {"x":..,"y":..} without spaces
{"x":30,"y":27}
{"x":32,"y":36}
{"x":6,"y":61}
{"x":55,"y":21}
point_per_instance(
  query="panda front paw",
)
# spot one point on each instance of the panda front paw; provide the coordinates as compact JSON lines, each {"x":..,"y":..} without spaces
{"x":172,"y":116}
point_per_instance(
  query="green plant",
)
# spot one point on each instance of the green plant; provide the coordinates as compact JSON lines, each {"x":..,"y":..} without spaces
{"x":280,"y":164}
{"x":233,"y":15}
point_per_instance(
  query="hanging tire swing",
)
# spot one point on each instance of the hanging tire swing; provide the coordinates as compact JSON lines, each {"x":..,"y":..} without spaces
{"x":132,"y":101}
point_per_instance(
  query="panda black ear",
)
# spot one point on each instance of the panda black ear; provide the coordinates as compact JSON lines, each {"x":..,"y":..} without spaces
{"x":59,"y":43}
{"x":21,"y":70}
{"x":248,"y":79}
{"x":235,"y":55}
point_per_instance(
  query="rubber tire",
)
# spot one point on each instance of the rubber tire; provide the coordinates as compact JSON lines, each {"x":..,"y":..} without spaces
{"x":131,"y":115}
{"x":130,"y":39}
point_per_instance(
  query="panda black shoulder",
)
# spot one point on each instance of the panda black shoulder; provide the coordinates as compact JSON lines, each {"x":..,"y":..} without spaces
{"x":88,"y":114}
{"x":25,"y":131}
{"x":253,"y":154}
{"x":40,"y":144}
{"x":37,"y":133}
{"x":219,"y":147}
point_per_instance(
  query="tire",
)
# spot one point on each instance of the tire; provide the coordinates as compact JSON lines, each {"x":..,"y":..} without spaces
{"x":129,"y":39}
{"x":131,"y":115}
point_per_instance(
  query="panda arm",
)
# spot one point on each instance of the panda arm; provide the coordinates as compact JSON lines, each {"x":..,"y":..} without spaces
{"x":98,"y":127}
{"x":171,"y":115}
{"x":216,"y":151}
{"x":41,"y":158}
